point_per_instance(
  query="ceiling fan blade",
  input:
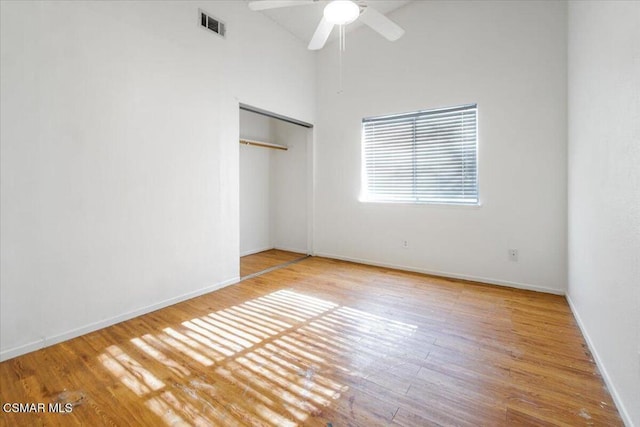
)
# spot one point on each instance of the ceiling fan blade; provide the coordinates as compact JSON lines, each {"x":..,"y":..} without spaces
{"x":381,"y":24}
{"x":321,"y":35}
{"x":275,"y":4}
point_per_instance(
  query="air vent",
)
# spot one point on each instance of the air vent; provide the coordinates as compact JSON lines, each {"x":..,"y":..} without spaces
{"x":212,"y":24}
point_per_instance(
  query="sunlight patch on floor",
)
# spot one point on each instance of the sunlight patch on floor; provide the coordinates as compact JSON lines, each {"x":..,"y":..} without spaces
{"x":277,"y":353}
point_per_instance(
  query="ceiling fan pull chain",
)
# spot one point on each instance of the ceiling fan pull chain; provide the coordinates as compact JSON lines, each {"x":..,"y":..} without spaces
{"x":340,"y":50}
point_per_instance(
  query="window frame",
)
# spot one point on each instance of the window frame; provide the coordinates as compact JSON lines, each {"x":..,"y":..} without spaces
{"x":367,"y":197}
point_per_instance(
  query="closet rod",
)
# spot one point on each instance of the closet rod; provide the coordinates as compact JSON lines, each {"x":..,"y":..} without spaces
{"x":264,"y":144}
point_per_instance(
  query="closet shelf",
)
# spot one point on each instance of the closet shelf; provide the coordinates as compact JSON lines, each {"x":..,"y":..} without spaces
{"x":264,"y":144}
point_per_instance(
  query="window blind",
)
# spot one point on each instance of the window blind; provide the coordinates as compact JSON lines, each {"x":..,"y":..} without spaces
{"x":422,"y":157}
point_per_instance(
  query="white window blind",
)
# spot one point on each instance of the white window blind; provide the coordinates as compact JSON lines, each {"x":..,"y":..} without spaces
{"x":422,"y":157}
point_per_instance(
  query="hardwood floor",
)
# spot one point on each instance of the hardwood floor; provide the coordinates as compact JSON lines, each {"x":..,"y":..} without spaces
{"x":325,"y":343}
{"x":261,"y":261}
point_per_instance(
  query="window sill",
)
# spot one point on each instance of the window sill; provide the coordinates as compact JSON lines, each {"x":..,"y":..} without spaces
{"x":423,"y":204}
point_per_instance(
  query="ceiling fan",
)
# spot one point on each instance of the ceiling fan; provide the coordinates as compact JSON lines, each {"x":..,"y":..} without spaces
{"x":338,"y":12}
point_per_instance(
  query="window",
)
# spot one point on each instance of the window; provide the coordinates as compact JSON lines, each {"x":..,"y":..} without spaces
{"x":422,"y":157}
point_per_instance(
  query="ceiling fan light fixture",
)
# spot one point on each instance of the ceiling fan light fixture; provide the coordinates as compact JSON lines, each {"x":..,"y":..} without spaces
{"x":341,"y":12}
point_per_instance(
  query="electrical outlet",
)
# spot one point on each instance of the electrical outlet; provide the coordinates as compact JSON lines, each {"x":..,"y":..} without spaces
{"x":405,"y":244}
{"x":513,"y":255}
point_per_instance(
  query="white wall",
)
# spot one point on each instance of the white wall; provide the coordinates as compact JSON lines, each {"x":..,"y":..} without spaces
{"x":120,"y":154}
{"x":604,"y":189}
{"x":273,"y":186}
{"x":255,"y":184}
{"x":510,"y":59}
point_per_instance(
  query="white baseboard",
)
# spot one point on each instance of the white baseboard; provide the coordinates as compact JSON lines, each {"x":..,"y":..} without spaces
{"x":55,"y":339}
{"x":20,"y":350}
{"x":290,"y":249}
{"x":624,"y":414}
{"x":487,"y":280}
{"x":281,"y":248}
{"x":255,"y":251}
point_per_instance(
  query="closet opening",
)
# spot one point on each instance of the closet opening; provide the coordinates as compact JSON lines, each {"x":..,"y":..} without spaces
{"x":275,"y":190}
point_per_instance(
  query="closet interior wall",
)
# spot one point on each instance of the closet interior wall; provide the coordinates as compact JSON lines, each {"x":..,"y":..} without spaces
{"x":273,"y":186}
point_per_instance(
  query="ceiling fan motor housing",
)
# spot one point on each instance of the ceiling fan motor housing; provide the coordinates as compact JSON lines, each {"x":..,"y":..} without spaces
{"x":341,"y":12}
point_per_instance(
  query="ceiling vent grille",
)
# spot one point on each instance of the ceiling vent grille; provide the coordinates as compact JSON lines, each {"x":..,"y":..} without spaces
{"x":212,"y":24}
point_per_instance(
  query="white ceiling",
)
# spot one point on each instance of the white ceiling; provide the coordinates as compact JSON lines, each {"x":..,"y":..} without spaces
{"x":301,"y":21}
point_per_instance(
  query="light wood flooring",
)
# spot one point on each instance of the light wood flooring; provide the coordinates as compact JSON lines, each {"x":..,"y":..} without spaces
{"x":326,"y":343}
{"x":261,"y":261}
